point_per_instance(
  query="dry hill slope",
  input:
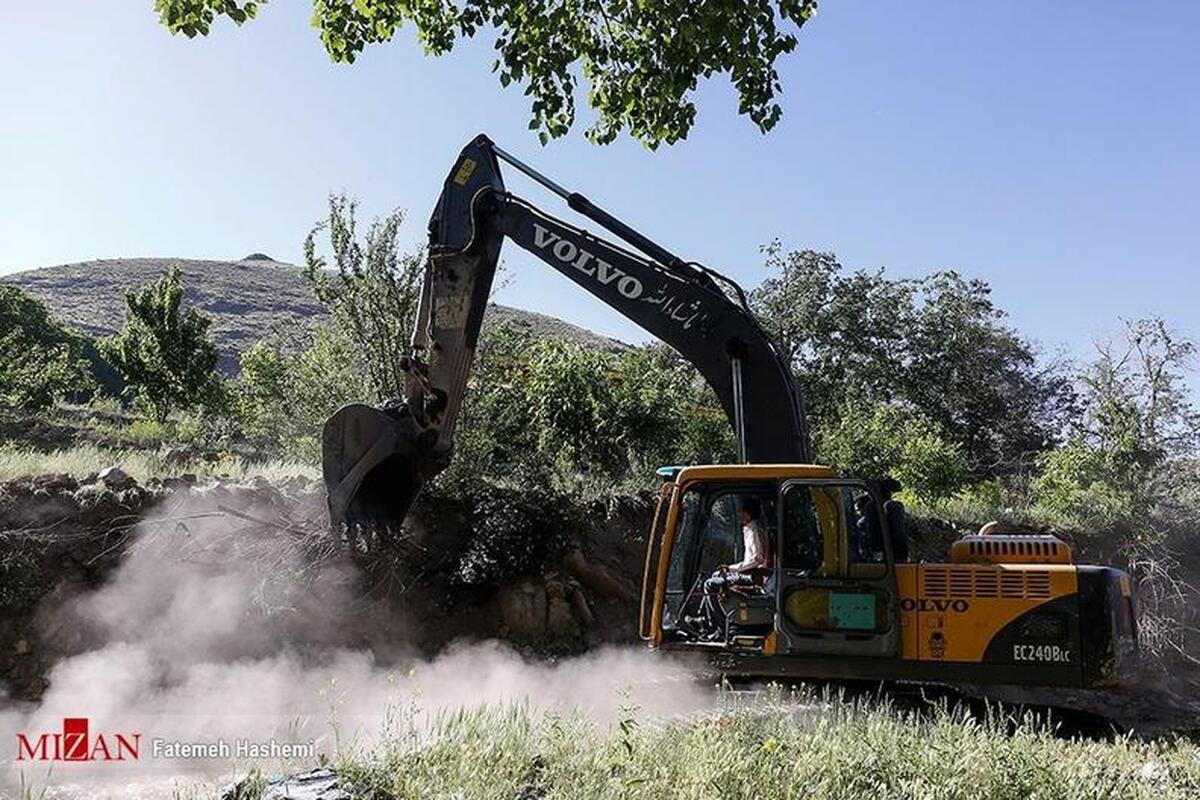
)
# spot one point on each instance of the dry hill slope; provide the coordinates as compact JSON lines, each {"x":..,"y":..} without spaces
{"x":248,"y":299}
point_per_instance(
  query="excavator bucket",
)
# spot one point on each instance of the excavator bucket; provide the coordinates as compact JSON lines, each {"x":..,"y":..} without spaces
{"x":374,"y":463}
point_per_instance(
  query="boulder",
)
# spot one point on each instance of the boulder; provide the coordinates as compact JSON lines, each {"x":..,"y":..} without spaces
{"x":94,"y":495}
{"x":523,"y":609}
{"x":579,"y":605}
{"x":116,"y":478}
{"x":598,"y":578}
{"x":180,"y":454}
{"x":560,"y":621}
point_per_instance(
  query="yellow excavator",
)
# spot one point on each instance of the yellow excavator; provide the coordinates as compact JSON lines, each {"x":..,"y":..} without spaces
{"x":831,"y":600}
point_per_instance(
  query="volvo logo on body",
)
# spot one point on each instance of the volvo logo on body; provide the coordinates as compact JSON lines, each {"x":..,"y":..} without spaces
{"x":569,"y":253}
{"x":933,"y":604}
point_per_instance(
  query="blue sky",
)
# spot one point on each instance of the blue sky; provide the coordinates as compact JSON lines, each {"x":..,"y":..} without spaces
{"x":1051,"y":149}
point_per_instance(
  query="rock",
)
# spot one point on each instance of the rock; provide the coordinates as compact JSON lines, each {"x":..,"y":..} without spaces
{"x":597,"y":577}
{"x":181,"y":454}
{"x":523,"y":609}
{"x":579,"y":605}
{"x":116,"y":478}
{"x":555,"y":590}
{"x":560,"y":622}
{"x":92,"y":495}
{"x":297,"y":483}
{"x":318,"y":784}
{"x":133,"y":497}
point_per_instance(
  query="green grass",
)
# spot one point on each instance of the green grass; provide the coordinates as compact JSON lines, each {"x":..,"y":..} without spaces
{"x":765,"y":750}
{"x":142,"y":464}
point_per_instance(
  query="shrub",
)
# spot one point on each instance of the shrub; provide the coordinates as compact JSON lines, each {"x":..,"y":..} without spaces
{"x":553,"y":410}
{"x":872,"y":441}
{"x":163,"y":351}
{"x":40,"y":360}
{"x":282,"y":399}
{"x":513,"y":532}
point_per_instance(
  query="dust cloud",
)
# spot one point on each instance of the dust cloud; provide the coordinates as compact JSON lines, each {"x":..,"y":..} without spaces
{"x":215,"y":628}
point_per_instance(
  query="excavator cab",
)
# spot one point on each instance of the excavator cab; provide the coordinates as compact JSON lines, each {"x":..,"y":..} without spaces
{"x":831,"y":587}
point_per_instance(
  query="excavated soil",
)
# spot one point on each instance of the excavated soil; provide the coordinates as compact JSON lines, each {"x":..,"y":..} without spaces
{"x":61,"y":536}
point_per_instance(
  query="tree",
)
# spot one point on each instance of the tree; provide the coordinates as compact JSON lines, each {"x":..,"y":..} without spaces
{"x":642,"y":60}
{"x":1137,"y":389}
{"x":40,"y":360}
{"x":1131,"y":459}
{"x":553,"y":411}
{"x":163,"y":351}
{"x":843,"y":335}
{"x":978,"y":379}
{"x":937,"y":344}
{"x":369,"y":288}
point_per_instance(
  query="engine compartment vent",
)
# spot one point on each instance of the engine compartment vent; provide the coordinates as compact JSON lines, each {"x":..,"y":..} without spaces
{"x":1010,"y":548}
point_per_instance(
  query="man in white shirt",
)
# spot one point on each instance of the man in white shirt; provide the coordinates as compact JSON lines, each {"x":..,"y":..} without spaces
{"x":755,"y":564}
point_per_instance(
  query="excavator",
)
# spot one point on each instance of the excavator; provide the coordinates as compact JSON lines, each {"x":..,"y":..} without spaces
{"x":834,"y":602}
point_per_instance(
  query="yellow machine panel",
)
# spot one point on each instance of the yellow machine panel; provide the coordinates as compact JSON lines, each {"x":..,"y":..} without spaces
{"x":906,"y":587}
{"x":951,"y":612}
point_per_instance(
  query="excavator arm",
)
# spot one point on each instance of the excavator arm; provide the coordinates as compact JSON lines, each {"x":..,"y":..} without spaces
{"x":376,"y":460}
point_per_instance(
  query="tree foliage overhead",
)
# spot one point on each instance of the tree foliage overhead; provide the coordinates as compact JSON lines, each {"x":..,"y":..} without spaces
{"x":163,"y":351}
{"x":40,"y":360}
{"x":642,"y":59}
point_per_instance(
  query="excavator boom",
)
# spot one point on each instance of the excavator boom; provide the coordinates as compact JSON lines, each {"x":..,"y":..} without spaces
{"x":375,"y":460}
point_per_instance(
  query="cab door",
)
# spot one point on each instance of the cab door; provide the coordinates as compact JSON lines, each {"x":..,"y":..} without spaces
{"x":836,"y":581}
{"x":650,"y":623}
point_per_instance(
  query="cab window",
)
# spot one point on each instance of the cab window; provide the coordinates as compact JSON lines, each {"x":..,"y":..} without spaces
{"x":827,"y":528}
{"x":708,"y":535}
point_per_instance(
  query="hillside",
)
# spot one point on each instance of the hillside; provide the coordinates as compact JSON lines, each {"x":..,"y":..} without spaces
{"x":248,"y":299}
